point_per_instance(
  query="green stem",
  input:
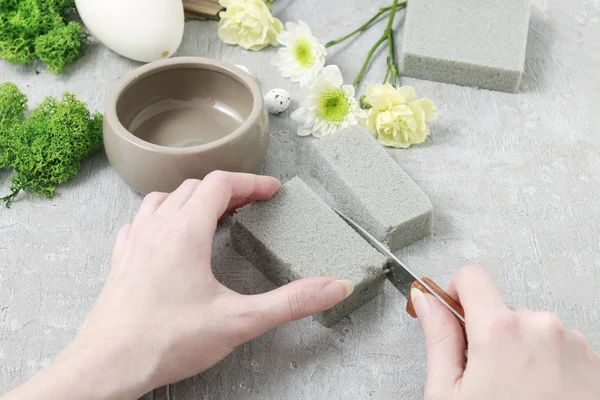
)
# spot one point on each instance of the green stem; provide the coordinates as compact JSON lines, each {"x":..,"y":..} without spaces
{"x":386,"y":35}
{"x":392,"y":15}
{"x":387,"y":73}
{"x":392,"y":65}
{"x":365,"y":26}
{"x":368,"y":60}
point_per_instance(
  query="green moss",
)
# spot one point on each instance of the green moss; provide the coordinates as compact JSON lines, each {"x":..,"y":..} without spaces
{"x":60,"y":47}
{"x":46,"y":147}
{"x":31,"y":29}
{"x":13,"y":104}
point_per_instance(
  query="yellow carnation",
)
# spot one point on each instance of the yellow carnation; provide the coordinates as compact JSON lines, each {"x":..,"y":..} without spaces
{"x":249,"y":24}
{"x":396,"y":118}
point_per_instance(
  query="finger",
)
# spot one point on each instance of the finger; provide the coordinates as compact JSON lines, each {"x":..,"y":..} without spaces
{"x":520,"y":310}
{"x":178,"y":197}
{"x":294,"y":301}
{"x":445,"y":344}
{"x":265,"y":188}
{"x":234,"y":204}
{"x":219,"y":189}
{"x":120,"y":243}
{"x":576,"y":335}
{"x":149,"y":205}
{"x":477,"y":294}
{"x":578,"y":341}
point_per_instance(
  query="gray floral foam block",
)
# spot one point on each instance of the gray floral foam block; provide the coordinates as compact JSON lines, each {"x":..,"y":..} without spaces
{"x":295,"y":235}
{"x":354,"y":174}
{"x":466,"y":42}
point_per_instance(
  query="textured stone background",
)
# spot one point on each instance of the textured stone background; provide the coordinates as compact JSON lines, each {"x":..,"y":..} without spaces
{"x":513,"y":178}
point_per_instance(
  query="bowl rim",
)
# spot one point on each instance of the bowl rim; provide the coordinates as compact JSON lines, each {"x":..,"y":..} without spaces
{"x":112,"y":118}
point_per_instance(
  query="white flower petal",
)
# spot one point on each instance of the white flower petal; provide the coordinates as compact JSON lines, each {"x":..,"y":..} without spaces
{"x":332,"y":75}
{"x":299,"y":114}
{"x":349,"y":91}
{"x":430,"y":110}
{"x":299,"y":71}
{"x":305,"y":29}
{"x":304,"y":131}
{"x":360,"y":113}
{"x":408,"y":93}
{"x":284,"y":38}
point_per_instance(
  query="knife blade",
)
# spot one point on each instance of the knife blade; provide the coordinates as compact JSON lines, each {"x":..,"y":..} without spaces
{"x":400,"y":275}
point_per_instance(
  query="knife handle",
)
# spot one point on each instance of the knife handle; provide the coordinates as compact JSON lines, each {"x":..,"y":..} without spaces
{"x":416,"y":284}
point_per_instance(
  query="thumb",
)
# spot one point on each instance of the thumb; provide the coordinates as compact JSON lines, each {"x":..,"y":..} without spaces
{"x":296,"y":300}
{"x":445,"y":344}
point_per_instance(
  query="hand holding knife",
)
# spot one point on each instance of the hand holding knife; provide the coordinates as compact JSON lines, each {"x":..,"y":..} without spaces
{"x":405,"y":279}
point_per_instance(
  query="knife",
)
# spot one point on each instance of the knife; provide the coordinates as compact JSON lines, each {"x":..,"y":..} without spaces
{"x":405,"y":279}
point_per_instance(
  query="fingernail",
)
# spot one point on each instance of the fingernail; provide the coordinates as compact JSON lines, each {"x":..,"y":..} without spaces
{"x":349,"y":285}
{"x":335,"y":286}
{"x":420,"y":303}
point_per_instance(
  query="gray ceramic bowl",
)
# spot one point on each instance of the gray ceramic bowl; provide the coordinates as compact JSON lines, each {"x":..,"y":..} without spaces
{"x":182,"y":118}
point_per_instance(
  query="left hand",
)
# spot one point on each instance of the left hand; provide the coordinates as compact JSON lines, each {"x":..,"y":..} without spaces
{"x":162,"y":316}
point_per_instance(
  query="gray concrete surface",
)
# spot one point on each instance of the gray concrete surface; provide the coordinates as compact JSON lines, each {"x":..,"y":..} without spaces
{"x":513,"y":179}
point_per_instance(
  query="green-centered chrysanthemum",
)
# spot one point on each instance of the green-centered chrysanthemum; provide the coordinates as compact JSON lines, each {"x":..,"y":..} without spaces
{"x":330,"y":105}
{"x":301,"y":56}
{"x":333,"y":106}
{"x":303,"y":53}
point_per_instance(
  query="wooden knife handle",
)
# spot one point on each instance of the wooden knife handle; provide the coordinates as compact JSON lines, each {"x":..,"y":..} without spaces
{"x":416,"y":284}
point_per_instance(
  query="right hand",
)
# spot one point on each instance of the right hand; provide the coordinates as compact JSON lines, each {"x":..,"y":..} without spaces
{"x":514,"y":353}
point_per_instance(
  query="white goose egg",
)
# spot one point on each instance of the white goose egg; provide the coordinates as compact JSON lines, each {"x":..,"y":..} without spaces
{"x":277,"y":100}
{"x":142,"y":30}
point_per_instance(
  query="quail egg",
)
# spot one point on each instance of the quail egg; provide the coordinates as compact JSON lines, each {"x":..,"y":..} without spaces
{"x":277,"y":101}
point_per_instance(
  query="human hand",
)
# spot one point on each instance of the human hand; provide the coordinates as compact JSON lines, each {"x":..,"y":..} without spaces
{"x":514,"y":353}
{"x":162,"y":316}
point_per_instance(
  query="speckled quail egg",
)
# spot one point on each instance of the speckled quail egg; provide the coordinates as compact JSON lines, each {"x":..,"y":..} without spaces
{"x":277,"y":100}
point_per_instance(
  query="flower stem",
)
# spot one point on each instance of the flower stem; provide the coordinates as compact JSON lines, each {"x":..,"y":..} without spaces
{"x":391,"y":61}
{"x":387,"y":73}
{"x":392,"y":15}
{"x":365,"y":26}
{"x":387,"y":35}
{"x":368,"y":59}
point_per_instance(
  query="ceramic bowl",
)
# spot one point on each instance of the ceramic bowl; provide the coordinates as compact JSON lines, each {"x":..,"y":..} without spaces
{"x":182,"y":118}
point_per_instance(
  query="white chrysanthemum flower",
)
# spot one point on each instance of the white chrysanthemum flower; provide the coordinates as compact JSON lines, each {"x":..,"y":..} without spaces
{"x":302,"y":57}
{"x":330,"y":105}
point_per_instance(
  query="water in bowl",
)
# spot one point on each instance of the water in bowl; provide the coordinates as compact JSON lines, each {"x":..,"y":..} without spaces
{"x":185,"y":123}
